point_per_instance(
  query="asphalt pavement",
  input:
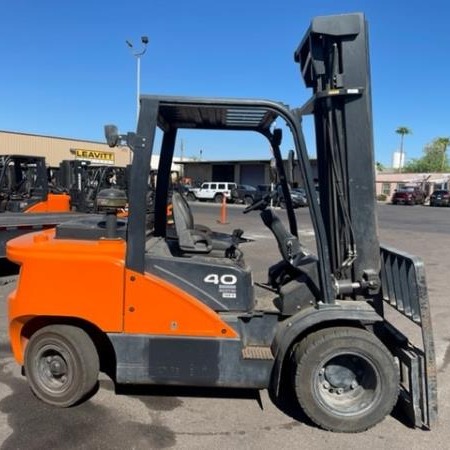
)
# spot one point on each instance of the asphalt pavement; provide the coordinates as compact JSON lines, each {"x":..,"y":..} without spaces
{"x":158,"y":418}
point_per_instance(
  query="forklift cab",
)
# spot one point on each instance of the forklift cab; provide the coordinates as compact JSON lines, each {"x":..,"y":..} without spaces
{"x":223,"y":280}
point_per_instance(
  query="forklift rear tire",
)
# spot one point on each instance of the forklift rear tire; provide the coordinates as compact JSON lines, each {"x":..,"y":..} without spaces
{"x":61,"y":365}
{"x":346,"y":380}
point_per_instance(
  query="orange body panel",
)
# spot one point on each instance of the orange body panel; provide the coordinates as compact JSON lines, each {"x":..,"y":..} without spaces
{"x":87,"y":280}
{"x":70,"y":278}
{"x":54,"y":203}
{"x":153,"y":306}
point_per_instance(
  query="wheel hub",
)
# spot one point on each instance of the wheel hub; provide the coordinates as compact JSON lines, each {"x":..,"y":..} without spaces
{"x":340,"y":375}
{"x":57,"y":366}
{"x":346,"y":384}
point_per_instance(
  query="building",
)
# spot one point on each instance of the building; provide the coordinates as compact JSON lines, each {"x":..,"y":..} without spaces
{"x":57,"y":149}
{"x":251,"y":172}
{"x":388,"y":182}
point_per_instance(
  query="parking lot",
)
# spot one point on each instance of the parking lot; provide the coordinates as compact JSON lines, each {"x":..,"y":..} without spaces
{"x":223,"y":419}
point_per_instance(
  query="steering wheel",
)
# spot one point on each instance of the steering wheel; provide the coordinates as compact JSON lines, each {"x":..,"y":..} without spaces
{"x":262,"y":203}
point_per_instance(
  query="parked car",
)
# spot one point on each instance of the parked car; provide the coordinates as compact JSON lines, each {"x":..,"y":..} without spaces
{"x":408,"y":196}
{"x":211,"y":191}
{"x":244,"y":193}
{"x":440,"y":197}
{"x":301,"y":193}
{"x":297,"y":196}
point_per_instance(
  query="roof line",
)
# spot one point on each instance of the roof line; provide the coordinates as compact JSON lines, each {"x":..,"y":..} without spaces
{"x":51,"y":137}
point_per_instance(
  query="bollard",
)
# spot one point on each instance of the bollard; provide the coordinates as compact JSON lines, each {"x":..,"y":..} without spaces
{"x":223,"y":211}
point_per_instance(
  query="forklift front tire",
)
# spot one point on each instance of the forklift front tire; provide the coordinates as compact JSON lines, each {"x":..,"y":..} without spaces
{"x":61,"y":365}
{"x":346,"y":380}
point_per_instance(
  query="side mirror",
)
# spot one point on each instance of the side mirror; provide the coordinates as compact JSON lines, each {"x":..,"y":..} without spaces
{"x":112,"y":135}
{"x":277,"y":136}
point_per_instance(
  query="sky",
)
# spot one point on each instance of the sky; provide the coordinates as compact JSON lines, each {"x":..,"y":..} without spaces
{"x":67,"y":70}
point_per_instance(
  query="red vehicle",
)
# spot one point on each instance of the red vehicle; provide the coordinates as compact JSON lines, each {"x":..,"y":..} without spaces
{"x":408,"y":196}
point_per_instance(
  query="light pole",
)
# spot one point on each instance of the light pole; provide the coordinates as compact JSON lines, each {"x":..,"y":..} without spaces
{"x":138,"y":53}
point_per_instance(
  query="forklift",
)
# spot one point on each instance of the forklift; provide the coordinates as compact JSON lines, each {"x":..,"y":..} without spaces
{"x":24,"y":186}
{"x":155,"y":308}
{"x":83,"y":181}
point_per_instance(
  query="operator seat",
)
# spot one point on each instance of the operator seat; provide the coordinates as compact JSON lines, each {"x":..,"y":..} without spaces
{"x":182,"y":208}
{"x":189,"y":233}
{"x":190,"y":240}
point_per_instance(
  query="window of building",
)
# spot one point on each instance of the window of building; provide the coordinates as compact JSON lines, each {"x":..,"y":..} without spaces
{"x":386,"y":189}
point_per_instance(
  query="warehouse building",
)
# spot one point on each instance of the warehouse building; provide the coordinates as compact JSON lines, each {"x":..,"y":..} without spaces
{"x":250,"y":172}
{"x":57,"y":149}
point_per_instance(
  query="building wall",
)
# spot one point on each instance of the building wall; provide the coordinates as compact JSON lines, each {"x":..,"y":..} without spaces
{"x":56,"y":149}
{"x":200,"y":171}
{"x":387,"y":183}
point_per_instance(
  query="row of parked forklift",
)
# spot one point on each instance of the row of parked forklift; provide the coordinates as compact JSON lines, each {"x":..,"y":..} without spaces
{"x":28,"y":185}
{"x":34,"y":196}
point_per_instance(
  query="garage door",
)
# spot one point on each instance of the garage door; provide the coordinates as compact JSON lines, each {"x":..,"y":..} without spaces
{"x":252,"y":174}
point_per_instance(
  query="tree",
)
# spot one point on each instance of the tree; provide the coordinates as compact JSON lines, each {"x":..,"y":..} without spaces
{"x":434,"y":159}
{"x":402,"y":131}
{"x":443,"y":142}
{"x":380,"y":166}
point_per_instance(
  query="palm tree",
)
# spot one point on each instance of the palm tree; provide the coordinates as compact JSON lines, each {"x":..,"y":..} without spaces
{"x":443,"y":142}
{"x":402,"y":131}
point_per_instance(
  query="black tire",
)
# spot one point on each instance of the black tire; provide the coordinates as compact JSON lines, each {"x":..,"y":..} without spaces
{"x":61,"y":365}
{"x":248,"y":200}
{"x":218,"y":198}
{"x":346,"y":380}
{"x":191,"y":196}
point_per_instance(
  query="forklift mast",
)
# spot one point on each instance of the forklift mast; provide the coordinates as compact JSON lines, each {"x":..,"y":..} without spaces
{"x":334,"y":62}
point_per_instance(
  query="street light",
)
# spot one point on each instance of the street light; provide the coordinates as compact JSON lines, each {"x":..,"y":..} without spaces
{"x":138,"y":53}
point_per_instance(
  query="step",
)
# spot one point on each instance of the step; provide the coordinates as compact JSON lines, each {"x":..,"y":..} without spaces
{"x":256,"y":352}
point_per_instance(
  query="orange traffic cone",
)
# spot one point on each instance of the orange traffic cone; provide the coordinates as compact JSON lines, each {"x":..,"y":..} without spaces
{"x":223,"y":211}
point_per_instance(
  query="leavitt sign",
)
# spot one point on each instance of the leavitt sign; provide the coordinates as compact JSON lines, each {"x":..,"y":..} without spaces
{"x":94,"y":156}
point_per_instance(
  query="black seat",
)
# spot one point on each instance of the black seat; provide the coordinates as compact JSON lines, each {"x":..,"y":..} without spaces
{"x":188,"y":232}
{"x":190,"y":239}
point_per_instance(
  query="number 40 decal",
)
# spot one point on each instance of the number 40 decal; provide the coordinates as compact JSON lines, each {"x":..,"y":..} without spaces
{"x":227,"y":278}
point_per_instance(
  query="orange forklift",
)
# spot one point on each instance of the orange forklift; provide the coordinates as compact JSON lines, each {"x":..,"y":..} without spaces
{"x":149,"y":306}
{"x":29,"y":201}
{"x":24,"y":186}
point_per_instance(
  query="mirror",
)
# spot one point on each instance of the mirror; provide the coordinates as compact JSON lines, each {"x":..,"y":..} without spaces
{"x":277,"y":136}
{"x":112,"y":135}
